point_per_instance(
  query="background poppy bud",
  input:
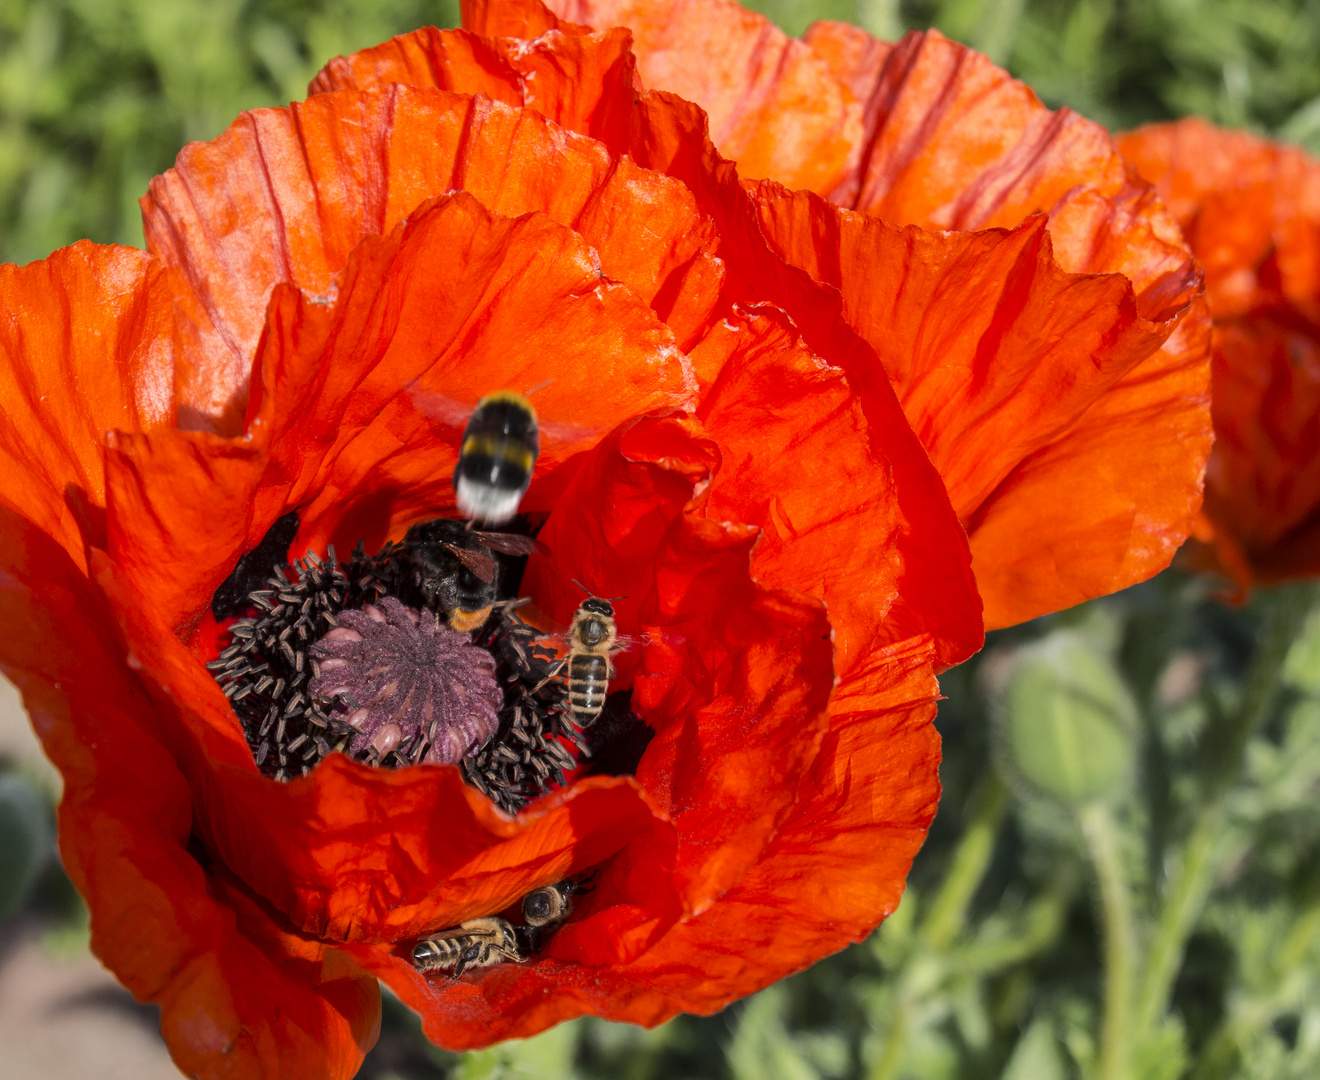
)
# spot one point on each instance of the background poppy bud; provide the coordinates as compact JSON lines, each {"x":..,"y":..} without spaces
{"x":1067,"y":722}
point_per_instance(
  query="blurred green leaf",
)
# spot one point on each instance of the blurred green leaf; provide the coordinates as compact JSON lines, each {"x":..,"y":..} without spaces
{"x":26,"y":838}
{"x":1037,"y":1055}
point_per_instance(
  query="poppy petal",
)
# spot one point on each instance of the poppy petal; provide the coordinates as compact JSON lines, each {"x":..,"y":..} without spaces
{"x":834,"y":869}
{"x":85,"y":347}
{"x":774,"y":107}
{"x":1263,"y":484}
{"x":801,"y":462}
{"x":583,"y":82}
{"x":1039,"y":381}
{"x":711,"y":638}
{"x":285,"y":195}
{"x":1250,"y":209}
{"x":457,"y":302}
{"x":238,"y":996}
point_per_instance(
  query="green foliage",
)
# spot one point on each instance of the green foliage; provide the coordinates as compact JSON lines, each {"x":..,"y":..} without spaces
{"x":26,"y":838}
{"x":97,"y":96}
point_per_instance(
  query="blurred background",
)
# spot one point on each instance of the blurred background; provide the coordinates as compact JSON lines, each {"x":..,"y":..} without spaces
{"x":1169,"y":875}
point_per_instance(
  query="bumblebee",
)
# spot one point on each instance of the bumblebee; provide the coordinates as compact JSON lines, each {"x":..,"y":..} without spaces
{"x":477,"y":943}
{"x":500,"y":445}
{"x":454,"y":570}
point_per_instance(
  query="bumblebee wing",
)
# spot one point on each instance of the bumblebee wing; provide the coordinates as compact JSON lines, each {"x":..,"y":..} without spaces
{"x":445,"y":411}
{"x":512,"y":543}
{"x":478,"y":562}
{"x":625,"y":642}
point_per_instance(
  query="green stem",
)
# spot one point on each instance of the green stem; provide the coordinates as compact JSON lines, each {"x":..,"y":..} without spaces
{"x":891,"y":1050}
{"x":1290,"y":609}
{"x":971,"y":859}
{"x":1178,"y":916}
{"x":1120,"y":940}
{"x":1192,"y":881}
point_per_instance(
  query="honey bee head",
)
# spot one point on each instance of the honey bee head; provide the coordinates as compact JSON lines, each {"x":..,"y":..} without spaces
{"x":549,"y":904}
{"x":594,"y":622}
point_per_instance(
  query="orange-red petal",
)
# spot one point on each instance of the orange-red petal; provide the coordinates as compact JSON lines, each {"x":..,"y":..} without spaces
{"x":1251,"y":210}
{"x":1038,"y":384}
{"x":85,"y":347}
{"x":803,"y":464}
{"x":241,"y":994}
{"x":286,"y":194}
{"x":774,"y":107}
{"x":950,"y":141}
{"x":361,"y":405}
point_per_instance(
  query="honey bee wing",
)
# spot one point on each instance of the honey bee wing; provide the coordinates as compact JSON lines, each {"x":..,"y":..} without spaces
{"x":478,"y":562}
{"x":625,"y":642}
{"x":512,"y":543}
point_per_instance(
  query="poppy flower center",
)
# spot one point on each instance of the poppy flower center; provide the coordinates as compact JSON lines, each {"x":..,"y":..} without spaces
{"x":404,"y":682}
{"x":350,"y":657}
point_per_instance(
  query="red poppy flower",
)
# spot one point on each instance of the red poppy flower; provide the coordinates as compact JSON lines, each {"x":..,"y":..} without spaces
{"x":328,"y":291}
{"x":1076,"y":466}
{"x":1250,"y":208}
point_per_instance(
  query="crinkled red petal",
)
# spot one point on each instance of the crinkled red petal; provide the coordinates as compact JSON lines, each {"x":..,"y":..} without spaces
{"x":84,"y":349}
{"x":802,"y":463}
{"x":286,"y":194}
{"x":775,"y":108}
{"x":732,"y":679}
{"x":240,"y":992}
{"x":834,"y":869}
{"x":1263,"y":485}
{"x":361,"y":406}
{"x":1249,"y":207}
{"x":1251,"y":211}
{"x":1037,"y":386}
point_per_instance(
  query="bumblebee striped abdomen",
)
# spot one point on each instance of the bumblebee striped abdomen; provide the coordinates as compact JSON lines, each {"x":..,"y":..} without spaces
{"x":495,"y":460}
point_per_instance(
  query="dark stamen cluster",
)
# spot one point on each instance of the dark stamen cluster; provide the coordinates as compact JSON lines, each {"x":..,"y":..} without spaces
{"x":530,"y":752}
{"x":265,"y":671}
{"x":268,"y":669}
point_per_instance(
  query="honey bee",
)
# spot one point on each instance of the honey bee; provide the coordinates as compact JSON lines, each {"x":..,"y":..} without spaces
{"x":453,"y":568}
{"x":592,"y":640}
{"x":500,"y":445}
{"x":476,"y":943}
{"x":545,"y":908}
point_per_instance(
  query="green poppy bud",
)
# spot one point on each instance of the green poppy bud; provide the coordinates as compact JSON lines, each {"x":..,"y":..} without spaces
{"x":1066,"y":722}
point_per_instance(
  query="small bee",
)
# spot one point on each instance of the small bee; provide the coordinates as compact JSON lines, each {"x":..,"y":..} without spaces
{"x":500,"y":445}
{"x":477,"y":943}
{"x":592,"y":639}
{"x":453,"y":568}
{"x":545,"y":908}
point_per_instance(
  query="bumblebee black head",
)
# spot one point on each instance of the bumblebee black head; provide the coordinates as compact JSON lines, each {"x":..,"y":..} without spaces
{"x":500,"y":446}
{"x":597,"y":606}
